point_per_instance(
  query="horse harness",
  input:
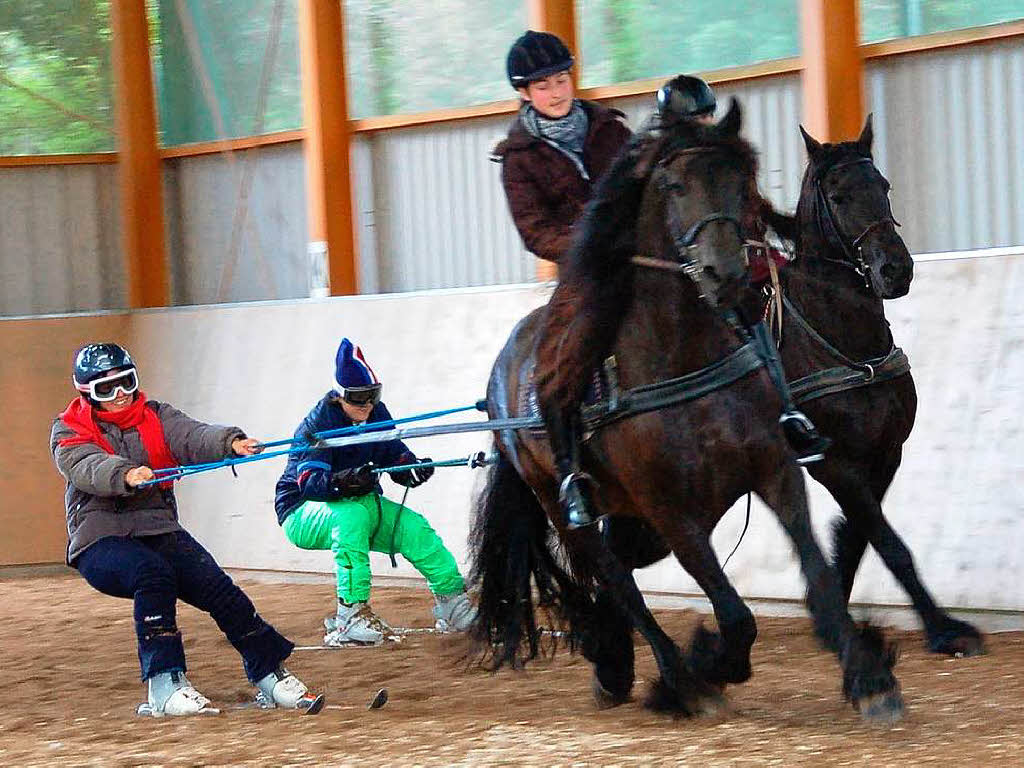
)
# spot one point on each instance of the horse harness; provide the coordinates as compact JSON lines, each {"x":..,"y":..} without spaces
{"x":613,"y":404}
{"x":830,"y":227}
{"x":850,"y":374}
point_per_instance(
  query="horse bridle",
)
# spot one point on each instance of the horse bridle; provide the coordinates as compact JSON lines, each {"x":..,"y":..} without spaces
{"x":686,"y":241}
{"x":853,"y":251}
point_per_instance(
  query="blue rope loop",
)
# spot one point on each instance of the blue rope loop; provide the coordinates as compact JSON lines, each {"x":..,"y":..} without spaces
{"x":185,"y":470}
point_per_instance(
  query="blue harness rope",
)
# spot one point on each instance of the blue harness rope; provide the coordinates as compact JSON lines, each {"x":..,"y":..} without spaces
{"x":319,"y":439}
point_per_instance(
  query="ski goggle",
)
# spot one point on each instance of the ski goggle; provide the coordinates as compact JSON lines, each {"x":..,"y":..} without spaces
{"x":360,"y":396}
{"x":110,"y":387}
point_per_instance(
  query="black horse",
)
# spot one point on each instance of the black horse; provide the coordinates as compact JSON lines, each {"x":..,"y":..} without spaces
{"x":693,"y":428}
{"x":844,"y":367}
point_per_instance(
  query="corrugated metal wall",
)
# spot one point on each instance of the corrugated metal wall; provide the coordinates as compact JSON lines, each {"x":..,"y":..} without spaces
{"x":431,"y":212}
{"x":59,"y":240}
{"x":237,"y":225}
{"x":439,"y":217}
{"x":948,"y":136}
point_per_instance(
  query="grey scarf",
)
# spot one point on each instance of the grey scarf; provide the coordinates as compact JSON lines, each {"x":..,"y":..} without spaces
{"x":566,"y":134}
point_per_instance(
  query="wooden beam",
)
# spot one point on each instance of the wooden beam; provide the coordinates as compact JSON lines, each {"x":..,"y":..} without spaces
{"x":328,"y":142}
{"x":90,"y":158}
{"x":833,"y":79}
{"x":957,"y":38}
{"x":217,"y":146}
{"x":138,"y":169}
{"x":559,"y":18}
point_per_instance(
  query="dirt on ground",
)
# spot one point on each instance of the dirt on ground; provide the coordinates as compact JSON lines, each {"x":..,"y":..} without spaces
{"x":70,"y":684}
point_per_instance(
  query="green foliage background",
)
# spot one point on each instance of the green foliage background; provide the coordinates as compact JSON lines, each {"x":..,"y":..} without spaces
{"x":403,"y":56}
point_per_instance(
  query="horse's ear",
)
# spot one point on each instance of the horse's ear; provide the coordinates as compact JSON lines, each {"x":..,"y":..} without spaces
{"x":866,"y":137}
{"x":733,"y":120}
{"x":813,"y":146}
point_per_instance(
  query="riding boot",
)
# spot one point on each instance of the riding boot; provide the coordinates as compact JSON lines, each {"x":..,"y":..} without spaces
{"x":800,"y":432}
{"x":573,"y":489}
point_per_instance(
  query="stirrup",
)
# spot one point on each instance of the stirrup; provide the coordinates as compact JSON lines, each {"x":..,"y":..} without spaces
{"x":572,"y":501}
{"x":805,"y":440}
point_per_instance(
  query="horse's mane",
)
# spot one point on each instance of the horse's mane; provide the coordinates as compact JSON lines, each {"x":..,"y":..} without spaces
{"x":596,"y":279}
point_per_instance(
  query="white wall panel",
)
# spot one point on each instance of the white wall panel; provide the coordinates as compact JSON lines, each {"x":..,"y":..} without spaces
{"x":957,"y":500}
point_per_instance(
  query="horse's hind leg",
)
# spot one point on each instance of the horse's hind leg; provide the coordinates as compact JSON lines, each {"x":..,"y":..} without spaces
{"x":678,"y":690}
{"x":867,"y":662}
{"x":865,"y":523}
{"x":608,"y":645}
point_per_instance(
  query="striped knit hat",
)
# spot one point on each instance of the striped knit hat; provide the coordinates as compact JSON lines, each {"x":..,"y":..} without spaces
{"x":351,"y":369}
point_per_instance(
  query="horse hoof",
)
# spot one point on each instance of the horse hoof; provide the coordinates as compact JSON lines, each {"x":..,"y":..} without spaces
{"x":704,"y":699}
{"x":604,"y":698}
{"x":881,"y":708}
{"x":958,"y":646}
{"x":713,"y":704}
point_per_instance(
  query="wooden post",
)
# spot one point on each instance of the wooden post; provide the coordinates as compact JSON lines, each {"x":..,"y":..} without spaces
{"x":327,"y":144}
{"x":140,"y":181}
{"x":833,"y":77}
{"x":559,"y":18}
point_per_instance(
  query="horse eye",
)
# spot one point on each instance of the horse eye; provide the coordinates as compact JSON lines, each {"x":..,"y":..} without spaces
{"x":837,"y":199}
{"x":676,"y":186}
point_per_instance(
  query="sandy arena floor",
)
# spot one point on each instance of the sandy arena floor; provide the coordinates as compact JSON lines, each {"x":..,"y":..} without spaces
{"x":70,"y":686}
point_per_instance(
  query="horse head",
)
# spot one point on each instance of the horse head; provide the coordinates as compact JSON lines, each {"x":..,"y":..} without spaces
{"x":845,"y":198}
{"x":697,"y":210}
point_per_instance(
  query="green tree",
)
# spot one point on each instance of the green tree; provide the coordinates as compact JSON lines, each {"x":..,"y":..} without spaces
{"x":55,"y":79}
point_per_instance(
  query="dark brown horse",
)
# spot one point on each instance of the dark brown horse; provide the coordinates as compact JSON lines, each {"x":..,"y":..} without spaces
{"x":682,"y":196}
{"x":839,"y":354}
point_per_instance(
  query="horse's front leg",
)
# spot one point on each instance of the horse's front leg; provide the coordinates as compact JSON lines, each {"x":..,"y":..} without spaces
{"x":868,"y":681}
{"x":858,"y":490}
{"x":718,"y":657}
{"x":678,"y":690}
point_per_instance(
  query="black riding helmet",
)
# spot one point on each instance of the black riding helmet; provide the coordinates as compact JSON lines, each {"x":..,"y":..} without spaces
{"x":534,"y":56}
{"x":685,"y":96}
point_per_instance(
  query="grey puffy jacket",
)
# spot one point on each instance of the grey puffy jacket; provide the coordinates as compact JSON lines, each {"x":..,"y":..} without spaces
{"x":99,"y":503}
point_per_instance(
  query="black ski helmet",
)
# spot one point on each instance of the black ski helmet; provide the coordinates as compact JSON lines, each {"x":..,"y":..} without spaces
{"x":96,"y":360}
{"x":685,"y":96}
{"x":534,"y":56}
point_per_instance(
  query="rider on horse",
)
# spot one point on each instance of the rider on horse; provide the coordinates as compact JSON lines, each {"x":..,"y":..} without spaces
{"x":689,"y":98}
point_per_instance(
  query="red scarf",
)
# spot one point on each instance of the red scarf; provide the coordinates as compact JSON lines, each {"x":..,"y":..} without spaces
{"x":80,"y":417}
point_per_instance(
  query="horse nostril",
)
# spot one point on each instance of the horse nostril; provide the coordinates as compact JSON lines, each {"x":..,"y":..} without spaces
{"x":890,"y":271}
{"x":712,"y":273}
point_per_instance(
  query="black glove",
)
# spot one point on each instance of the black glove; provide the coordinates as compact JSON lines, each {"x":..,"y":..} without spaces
{"x":356,"y":481}
{"x":413,"y":476}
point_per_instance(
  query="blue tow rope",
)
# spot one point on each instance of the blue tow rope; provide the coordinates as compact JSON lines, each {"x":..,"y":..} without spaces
{"x":177,"y":473}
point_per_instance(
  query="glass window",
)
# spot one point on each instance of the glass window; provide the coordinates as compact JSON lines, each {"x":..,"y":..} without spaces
{"x":406,"y":56}
{"x":55,"y":79}
{"x":625,"y":40}
{"x":888,"y":19}
{"x":226,"y":68}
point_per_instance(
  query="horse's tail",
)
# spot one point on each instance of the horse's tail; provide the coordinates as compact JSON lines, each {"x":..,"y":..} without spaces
{"x":511,"y":546}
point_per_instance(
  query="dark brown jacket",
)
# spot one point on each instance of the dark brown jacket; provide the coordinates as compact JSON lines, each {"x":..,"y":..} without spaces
{"x":97,"y":500}
{"x":545,"y":191}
